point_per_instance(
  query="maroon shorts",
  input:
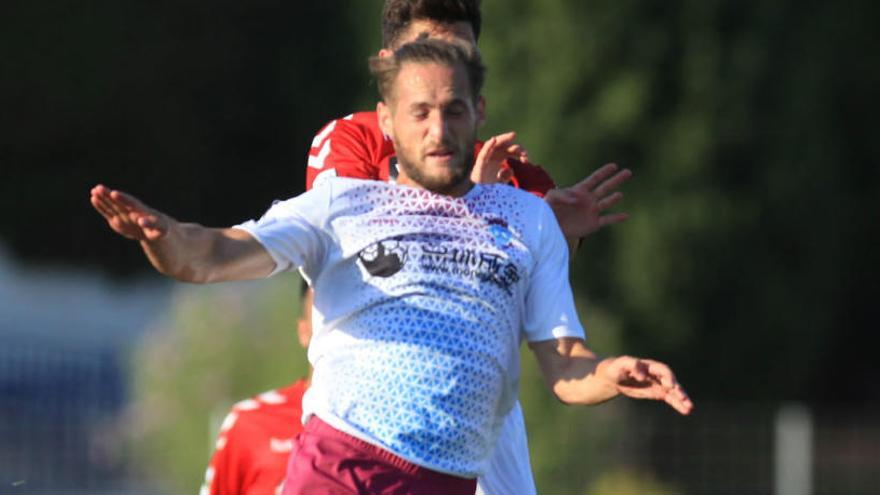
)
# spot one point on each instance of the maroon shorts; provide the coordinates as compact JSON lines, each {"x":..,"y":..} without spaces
{"x":326,"y":461}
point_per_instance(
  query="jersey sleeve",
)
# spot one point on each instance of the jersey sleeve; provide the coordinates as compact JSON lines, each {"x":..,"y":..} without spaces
{"x":293,"y":232}
{"x":530,"y":177}
{"x":549,"y":307}
{"x":343,"y":148}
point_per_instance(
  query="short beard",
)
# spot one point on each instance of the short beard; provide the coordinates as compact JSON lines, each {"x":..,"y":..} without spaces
{"x":436,"y":185}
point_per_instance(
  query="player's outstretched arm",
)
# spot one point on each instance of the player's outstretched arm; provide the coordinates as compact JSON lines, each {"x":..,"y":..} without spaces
{"x":581,"y":208}
{"x":577,"y":376}
{"x":185,"y":251}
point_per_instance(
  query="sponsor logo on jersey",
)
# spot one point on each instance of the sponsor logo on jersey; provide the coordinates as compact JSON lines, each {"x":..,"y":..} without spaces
{"x":383,"y":259}
{"x":500,"y":233}
{"x":469,"y":263}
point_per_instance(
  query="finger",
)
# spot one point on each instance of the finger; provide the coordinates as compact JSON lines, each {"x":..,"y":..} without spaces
{"x":109,"y":208}
{"x":523,"y":152}
{"x":99,"y":189}
{"x":119,"y":209}
{"x":128,"y":202}
{"x":680,"y":402}
{"x":100,"y":193}
{"x":505,"y":138}
{"x":152,"y":226}
{"x":613,"y":183}
{"x":612,"y":219}
{"x":149,"y":221}
{"x":97,"y":198}
{"x":662,"y":373}
{"x":98,"y":205}
{"x":109,"y":200}
{"x":634,"y":368}
{"x":600,"y":175}
{"x":514,"y":150}
{"x":564,"y":196}
{"x":486,"y":150}
{"x":609,"y":201}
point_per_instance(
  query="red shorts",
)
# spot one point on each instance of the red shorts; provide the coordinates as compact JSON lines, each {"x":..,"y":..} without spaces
{"x":326,"y":461}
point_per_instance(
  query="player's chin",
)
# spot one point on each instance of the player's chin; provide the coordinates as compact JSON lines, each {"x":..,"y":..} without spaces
{"x":450,"y":169}
{"x":456,"y":175}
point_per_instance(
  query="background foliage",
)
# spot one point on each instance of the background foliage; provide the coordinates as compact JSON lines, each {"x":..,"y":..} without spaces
{"x":219,"y":345}
{"x":749,"y":261}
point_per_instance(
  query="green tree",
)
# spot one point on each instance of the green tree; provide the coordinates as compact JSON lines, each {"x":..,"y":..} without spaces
{"x":220,"y":344}
{"x":747,"y":128}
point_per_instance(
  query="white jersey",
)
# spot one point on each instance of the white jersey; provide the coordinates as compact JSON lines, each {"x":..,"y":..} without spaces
{"x":421,"y":302}
{"x":509,"y":471}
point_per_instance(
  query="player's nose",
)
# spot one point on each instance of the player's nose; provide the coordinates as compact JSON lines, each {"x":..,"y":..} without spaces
{"x":438,"y":127}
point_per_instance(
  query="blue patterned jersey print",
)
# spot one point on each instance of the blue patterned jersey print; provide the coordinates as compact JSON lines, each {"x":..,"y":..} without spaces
{"x":421,"y":302}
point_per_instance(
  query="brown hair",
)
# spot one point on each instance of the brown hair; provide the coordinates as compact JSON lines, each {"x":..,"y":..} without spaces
{"x":425,"y":50}
{"x":398,"y":14}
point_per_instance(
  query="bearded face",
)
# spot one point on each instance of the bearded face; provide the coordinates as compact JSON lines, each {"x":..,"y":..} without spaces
{"x":432,"y":119}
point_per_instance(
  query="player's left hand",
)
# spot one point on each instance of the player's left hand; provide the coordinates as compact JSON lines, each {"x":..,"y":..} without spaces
{"x":646,"y":379}
{"x":580,"y":208}
{"x":489,"y":165}
{"x":128,"y":216}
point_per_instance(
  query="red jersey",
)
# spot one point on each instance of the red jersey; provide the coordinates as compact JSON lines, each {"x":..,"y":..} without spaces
{"x":354,"y":146}
{"x":254,"y":444}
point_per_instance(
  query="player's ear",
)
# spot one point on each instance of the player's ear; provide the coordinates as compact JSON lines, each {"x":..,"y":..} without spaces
{"x":481,"y":111}
{"x":385,"y":52}
{"x":383,"y":113}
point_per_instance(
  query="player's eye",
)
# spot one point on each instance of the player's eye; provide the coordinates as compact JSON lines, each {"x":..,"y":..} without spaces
{"x":456,"y":110}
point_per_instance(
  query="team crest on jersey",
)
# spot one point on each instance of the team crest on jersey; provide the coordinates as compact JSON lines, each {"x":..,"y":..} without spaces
{"x":500,"y":233}
{"x":384,"y":258}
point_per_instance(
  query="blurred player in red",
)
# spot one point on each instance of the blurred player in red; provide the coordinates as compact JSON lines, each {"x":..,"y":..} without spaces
{"x":255,"y":439}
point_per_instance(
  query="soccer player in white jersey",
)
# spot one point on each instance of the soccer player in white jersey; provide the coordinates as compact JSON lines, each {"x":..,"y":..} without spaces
{"x":355,"y":146}
{"x":428,"y":287}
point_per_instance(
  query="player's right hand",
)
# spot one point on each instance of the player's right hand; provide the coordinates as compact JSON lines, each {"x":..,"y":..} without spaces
{"x":489,"y":167}
{"x":129,"y":217}
{"x":641,"y":378}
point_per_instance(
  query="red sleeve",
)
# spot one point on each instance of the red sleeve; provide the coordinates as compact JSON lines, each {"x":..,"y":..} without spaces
{"x":348,"y":147}
{"x":530,"y":178}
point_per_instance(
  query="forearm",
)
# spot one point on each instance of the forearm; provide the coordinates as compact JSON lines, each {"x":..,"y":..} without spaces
{"x":581,"y":383}
{"x":573,"y":372}
{"x":193,"y":253}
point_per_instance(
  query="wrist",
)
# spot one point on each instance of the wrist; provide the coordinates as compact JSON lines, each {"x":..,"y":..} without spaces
{"x":606,"y":373}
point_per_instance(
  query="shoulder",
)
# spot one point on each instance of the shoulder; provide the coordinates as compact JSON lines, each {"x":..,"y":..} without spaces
{"x":352,"y":146}
{"x":511,"y":194}
{"x":521,"y":210}
{"x":365,"y":123}
{"x":531,"y":178}
{"x":286,"y":401}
